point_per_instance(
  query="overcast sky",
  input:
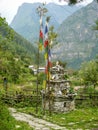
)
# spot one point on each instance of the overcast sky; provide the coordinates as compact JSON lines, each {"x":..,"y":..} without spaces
{"x":8,"y":8}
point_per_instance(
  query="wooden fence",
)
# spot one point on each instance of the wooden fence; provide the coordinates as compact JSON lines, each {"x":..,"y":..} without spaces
{"x":33,"y":96}
{"x":87,"y":99}
{"x":27,"y":96}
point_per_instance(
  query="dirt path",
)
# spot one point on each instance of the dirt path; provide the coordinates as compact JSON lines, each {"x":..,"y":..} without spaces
{"x":36,"y":123}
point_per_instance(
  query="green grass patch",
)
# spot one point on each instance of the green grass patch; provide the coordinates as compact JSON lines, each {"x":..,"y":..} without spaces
{"x":22,"y":126}
{"x":83,"y":118}
{"x":80,"y":118}
{"x":7,"y":122}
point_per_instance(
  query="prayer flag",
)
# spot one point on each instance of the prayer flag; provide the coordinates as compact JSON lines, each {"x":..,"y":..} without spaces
{"x":41,"y":36}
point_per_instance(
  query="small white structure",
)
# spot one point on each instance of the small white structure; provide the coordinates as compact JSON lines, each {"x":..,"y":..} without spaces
{"x":41,"y":69}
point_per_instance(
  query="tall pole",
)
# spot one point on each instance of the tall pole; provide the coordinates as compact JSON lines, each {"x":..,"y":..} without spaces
{"x":37,"y":83}
{"x":41,"y":11}
{"x":49,"y":82}
{"x":48,"y":62}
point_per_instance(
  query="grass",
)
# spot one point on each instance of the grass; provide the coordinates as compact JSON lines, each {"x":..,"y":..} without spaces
{"x":82,"y":118}
{"x":19,"y":125}
{"x":7,"y":122}
{"x":77,"y":119}
{"x":85,"y":118}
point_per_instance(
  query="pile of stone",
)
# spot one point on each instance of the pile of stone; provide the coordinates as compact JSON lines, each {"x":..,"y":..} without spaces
{"x":59,"y":95}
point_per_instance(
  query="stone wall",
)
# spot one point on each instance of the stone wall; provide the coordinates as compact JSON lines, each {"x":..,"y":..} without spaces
{"x":63,"y":106}
{"x":59,"y":105}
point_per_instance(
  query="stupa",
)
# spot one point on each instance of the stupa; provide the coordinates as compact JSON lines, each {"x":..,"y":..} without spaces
{"x":58,"y":97}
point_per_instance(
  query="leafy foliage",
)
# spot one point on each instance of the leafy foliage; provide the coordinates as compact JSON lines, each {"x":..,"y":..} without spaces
{"x":16,"y":54}
{"x":96,"y":26}
{"x":6,"y":121}
{"x":76,"y":1}
{"x":89,"y":73}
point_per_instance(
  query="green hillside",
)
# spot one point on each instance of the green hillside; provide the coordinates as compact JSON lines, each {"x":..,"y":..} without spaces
{"x":16,"y":54}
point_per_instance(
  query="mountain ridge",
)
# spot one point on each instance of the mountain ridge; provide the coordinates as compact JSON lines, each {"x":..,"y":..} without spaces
{"x":77,"y":40}
{"x":26,"y":20}
{"x":76,"y":36}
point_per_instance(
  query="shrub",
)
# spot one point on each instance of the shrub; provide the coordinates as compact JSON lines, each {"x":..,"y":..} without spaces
{"x":6,"y":121}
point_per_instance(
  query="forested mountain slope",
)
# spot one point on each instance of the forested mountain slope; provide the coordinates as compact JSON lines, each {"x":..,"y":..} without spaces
{"x":77,"y":41}
{"x":16,"y":53}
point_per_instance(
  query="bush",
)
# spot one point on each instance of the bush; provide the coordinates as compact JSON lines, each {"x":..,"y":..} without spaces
{"x":6,"y":121}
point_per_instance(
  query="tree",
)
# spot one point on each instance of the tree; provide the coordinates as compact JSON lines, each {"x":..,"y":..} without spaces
{"x":73,"y":1}
{"x":89,"y":73}
{"x":15,"y":54}
{"x":95,"y":27}
{"x":52,"y":35}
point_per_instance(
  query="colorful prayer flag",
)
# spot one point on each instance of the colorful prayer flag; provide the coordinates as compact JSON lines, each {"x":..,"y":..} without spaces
{"x":47,"y":54}
{"x":41,"y":36}
{"x":44,"y":84}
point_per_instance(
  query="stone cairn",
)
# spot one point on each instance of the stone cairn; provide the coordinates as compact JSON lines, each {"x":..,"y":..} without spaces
{"x":61,"y":97}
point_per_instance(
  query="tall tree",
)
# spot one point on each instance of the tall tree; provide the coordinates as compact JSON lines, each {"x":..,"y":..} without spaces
{"x":70,"y":1}
{"x":73,"y":1}
{"x":89,"y":73}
